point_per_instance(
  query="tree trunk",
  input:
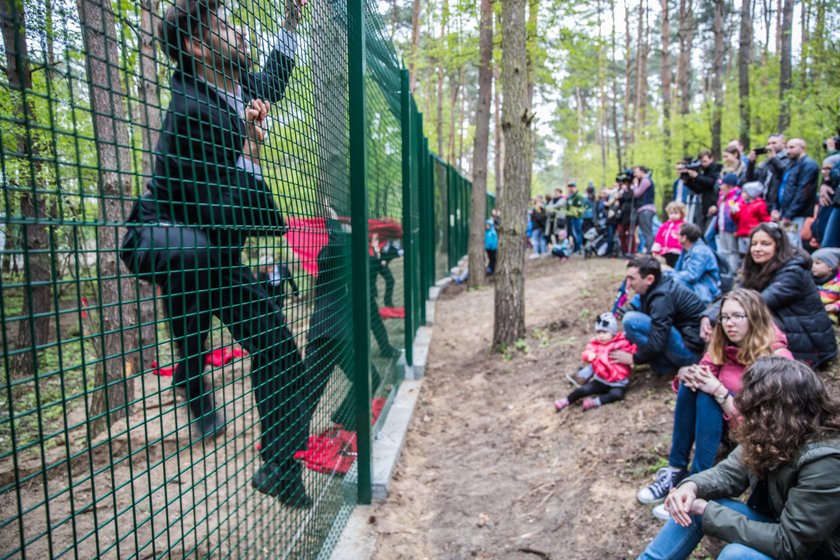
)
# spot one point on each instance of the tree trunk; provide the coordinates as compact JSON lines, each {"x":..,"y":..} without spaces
{"x":686,"y":36}
{"x":119,"y":344}
{"x":509,"y":323}
{"x":462,"y":114}
{"x":785,"y":77}
{"x":150,"y":123}
{"x":767,"y":12}
{"x":615,"y":91}
{"x":641,"y":70}
{"x":666,"y":81}
{"x":717,"y":75}
{"x":454,"y":89}
{"x":441,"y":69}
{"x":780,"y":25}
{"x":628,"y":55}
{"x":531,"y":39}
{"x":744,"y":53}
{"x":480,"y":144}
{"x":35,"y":330}
{"x":415,"y":45}
{"x":499,"y":149}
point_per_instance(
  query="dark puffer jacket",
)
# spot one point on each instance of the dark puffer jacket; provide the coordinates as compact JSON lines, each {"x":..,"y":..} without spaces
{"x":670,"y":304}
{"x":795,"y":302}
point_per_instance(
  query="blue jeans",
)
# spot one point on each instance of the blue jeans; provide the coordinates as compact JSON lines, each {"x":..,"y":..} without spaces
{"x":831,"y":235}
{"x":610,"y":240}
{"x":646,"y":232}
{"x":538,"y":241}
{"x":576,"y":227}
{"x":698,"y":420}
{"x":671,"y":358}
{"x":674,"y":542}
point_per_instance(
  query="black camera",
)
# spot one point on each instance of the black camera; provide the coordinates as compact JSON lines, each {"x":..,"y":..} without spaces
{"x":693,"y":165}
{"x":760,"y":151}
{"x":836,"y":143}
{"x":625,"y":176}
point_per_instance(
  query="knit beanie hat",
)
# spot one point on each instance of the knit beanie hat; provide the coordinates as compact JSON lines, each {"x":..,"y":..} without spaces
{"x":829,"y":256}
{"x":754,"y":189}
{"x":730,"y":179}
{"x":607,"y":323}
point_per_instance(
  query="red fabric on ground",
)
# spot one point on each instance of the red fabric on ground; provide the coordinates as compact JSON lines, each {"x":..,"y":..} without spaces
{"x":222,"y":356}
{"x":162,"y":371}
{"x":392,"y":312}
{"x":334,"y":450}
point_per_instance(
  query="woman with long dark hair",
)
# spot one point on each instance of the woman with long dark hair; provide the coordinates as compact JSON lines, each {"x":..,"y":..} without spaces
{"x":789,"y":456}
{"x":782,"y":274}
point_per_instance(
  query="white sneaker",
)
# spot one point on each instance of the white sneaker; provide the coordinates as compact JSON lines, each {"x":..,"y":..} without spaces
{"x":534,"y":256}
{"x":660,"y":512}
{"x":658,"y":490}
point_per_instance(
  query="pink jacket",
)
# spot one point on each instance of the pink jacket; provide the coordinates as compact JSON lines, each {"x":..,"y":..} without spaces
{"x":597,"y":354}
{"x":667,"y":239}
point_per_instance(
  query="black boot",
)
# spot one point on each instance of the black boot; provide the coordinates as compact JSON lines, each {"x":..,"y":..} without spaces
{"x":205,"y":420}
{"x":284,"y":482}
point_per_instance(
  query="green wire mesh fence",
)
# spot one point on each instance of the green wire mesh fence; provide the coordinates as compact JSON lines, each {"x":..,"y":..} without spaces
{"x":187,"y":252}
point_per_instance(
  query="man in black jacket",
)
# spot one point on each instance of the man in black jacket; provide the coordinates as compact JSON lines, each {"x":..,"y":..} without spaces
{"x":705,"y":183}
{"x":187,"y":231}
{"x":772,"y":170}
{"x":666,"y":330}
{"x":797,"y":194}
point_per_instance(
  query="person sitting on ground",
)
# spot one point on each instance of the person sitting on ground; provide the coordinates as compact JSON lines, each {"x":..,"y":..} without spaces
{"x":782,"y":275}
{"x":665,"y":329}
{"x":824,"y":269}
{"x":744,"y":333}
{"x":666,"y":244}
{"x":747,"y":213}
{"x":600,"y":375}
{"x":561,"y":247}
{"x":697,"y":268}
{"x":788,"y":457}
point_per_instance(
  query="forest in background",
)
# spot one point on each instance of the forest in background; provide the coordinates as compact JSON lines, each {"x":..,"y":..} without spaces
{"x":616,"y":83}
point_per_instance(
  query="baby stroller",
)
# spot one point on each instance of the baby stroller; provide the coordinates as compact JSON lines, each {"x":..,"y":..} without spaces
{"x":596,"y":242}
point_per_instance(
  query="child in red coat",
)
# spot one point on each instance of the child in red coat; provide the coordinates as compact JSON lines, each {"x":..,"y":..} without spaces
{"x":605,"y":378}
{"x":748,"y":213}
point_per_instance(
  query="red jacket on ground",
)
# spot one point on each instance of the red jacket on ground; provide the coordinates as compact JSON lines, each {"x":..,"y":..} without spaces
{"x":597,"y":354}
{"x":747,"y":215}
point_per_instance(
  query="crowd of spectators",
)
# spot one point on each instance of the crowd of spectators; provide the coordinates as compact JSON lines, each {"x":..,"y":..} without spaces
{"x":736,"y":297}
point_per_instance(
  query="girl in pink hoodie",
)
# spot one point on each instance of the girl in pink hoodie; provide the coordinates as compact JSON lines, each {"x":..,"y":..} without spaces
{"x":666,"y":244}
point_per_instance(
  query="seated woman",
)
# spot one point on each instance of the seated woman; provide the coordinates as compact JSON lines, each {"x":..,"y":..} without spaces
{"x":782,"y":274}
{"x":744,"y":333}
{"x":789,"y":456}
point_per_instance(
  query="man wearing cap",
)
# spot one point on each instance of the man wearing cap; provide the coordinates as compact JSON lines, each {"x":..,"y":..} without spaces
{"x":797,"y":191}
{"x":575,"y":207}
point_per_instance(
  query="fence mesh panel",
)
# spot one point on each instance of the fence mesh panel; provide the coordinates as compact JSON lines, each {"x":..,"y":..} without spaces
{"x":177,"y":286}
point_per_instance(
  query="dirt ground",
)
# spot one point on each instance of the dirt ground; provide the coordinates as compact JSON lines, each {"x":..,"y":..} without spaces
{"x":490,"y":470}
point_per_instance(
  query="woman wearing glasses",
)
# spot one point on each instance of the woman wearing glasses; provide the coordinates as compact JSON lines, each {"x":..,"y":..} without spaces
{"x":744,"y":333}
{"x":782,"y":274}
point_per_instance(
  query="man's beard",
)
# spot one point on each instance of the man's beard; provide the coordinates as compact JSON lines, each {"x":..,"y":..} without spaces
{"x":235,"y":63}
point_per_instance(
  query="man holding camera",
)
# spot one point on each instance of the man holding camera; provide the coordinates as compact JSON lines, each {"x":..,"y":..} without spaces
{"x":797,"y":192}
{"x":703,"y":180}
{"x":772,"y":170}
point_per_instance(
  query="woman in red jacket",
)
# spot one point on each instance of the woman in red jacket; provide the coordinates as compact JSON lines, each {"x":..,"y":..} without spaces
{"x":601,"y":376}
{"x":747,"y":213}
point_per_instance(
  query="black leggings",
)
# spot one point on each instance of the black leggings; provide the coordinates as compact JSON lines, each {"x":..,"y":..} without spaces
{"x":608,"y":393}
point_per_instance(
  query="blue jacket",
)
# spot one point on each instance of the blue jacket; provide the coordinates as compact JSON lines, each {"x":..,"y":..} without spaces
{"x":697,"y":269}
{"x":801,"y":182}
{"x":491,"y":238}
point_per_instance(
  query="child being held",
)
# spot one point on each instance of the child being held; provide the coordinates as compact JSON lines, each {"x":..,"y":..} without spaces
{"x":747,"y":213}
{"x":600,"y":376}
{"x":824,"y":268}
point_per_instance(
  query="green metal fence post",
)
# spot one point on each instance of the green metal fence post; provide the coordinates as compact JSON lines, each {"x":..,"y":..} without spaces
{"x":359,"y":242}
{"x":408,"y":208}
